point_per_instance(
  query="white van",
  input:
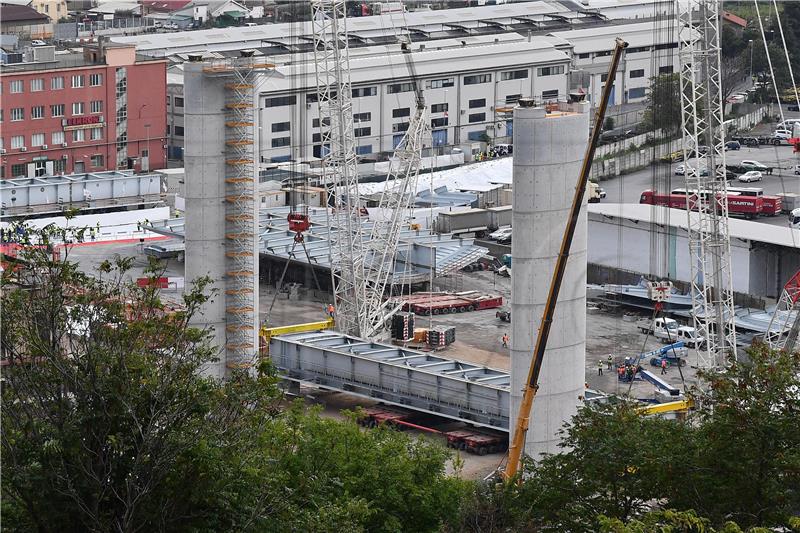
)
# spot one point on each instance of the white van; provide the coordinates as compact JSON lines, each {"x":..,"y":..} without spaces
{"x":788,"y":124}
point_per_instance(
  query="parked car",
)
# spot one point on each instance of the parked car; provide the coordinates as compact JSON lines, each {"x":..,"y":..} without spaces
{"x":797,"y":169}
{"x":752,"y":175}
{"x":681,"y":170}
{"x":504,"y":240}
{"x":783,"y":135}
{"x":733,"y":145}
{"x":500,"y":234}
{"x":793,"y":107}
{"x":674,"y":157}
{"x":172,"y":26}
{"x":504,"y":149}
{"x":38,"y":42}
{"x":751,"y":164}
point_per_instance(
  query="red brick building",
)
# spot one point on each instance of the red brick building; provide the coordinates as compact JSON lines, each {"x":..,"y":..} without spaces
{"x":102,"y":109}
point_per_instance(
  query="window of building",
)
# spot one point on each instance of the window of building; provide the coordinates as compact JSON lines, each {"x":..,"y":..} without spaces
{"x":96,"y":133}
{"x":478,"y":78}
{"x":316,"y":137}
{"x":96,"y":106}
{"x":638,"y":92}
{"x":37,"y":85}
{"x":550,"y":95}
{"x":550,"y":71}
{"x":358,"y":92}
{"x":439,"y":108}
{"x":281,"y":126}
{"x":603,"y":78}
{"x":59,"y":166}
{"x":168,"y":100}
{"x":37,"y":139}
{"x":97,"y":161}
{"x":56,"y":82}
{"x":168,"y":128}
{"x":179,"y":131}
{"x":315,"y":122}
{"x":582,"y":56}
{"x":95,"y":80}
{"x":277,"y":101}
{"x":281,"y":141}
{"x":18,"y":171}
{"x":77,"y":108}
{"x":439,"y":122}
{"x":513,"y":98}
{"x":77,"y":81}
{"x":513,"y":75}
{"x":477,"y":117}
{"x":401,"y":112}
{"x":638,"y":73}
{"x":57,"y":110}
{"x":400,"y":127}
{"x":17,"y":141}
{"x":637,"y":50}
{"x":57,"y":138}
{"x":478,"y":102}
{"x":362,"y":132}
{"x":668,"y":46}
{"x":603,"y":53}
{"x":17,"y":113}
{"x":439,"y":84}
{"x":479,"y":135}
{"x":364,"y":150}
{"x":178,"y":101}
{"x":665,"y":70}
{"x":78,"y":135}
{"x":401,"y":88}
{"x":362,"y":117}
{"x":16,"y":86}
{"x":37,"y":111}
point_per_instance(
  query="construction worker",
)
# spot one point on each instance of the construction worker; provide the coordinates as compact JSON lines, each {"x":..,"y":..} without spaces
{"x":600,"y":367}
{"x":505,"y":340}
{"x":330,"y":310}
{"x":610,"y":362}
{"x":663,"y":366}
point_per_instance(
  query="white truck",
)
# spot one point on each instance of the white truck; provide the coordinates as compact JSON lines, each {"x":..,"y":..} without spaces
{"x":658,"y":327}
{"x":687,"y":334}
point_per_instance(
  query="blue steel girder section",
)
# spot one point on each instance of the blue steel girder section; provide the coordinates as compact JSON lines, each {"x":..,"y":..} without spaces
{"x":418,"y":381}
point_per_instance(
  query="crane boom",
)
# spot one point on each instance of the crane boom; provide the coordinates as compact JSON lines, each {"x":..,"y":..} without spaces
{"x":332,"y":63}
{"x":532,"y":384}
{"x":400,"y":186}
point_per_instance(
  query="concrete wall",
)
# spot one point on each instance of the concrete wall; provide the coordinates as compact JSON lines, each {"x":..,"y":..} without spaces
{"x":205,"y":199}
{"x":548,"y":151}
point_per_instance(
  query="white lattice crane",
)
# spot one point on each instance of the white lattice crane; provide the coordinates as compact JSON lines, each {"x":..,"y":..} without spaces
{"x":702,"y":123}
{"x":361,"y":268}
{"x":785,"y":323}
{"x":332,"y":63}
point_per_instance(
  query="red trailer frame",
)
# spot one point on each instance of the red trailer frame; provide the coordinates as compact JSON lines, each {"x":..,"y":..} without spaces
{"x":749,"y":207}
{"x":443,"y":303}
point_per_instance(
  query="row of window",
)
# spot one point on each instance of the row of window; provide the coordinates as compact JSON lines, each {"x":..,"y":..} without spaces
{"x":178,"y":130}
{"x":20,"y":170}
{"x":635,"y":50}
{"x":56,"y":83}
{"x":57,"y":138}
{"x":56,"y":110}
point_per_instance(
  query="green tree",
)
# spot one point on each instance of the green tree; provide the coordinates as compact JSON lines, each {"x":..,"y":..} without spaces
{"x":663,"y":103}
{"x":107,"y":424}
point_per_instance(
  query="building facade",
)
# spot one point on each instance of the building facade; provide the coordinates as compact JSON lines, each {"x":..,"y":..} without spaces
{"x":102,"y":109}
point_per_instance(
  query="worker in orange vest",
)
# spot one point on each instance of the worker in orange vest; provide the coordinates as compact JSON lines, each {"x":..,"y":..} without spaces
{"x":330,"y":310}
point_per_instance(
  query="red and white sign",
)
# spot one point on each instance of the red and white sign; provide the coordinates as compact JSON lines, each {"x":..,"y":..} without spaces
{"x":79,"y":123}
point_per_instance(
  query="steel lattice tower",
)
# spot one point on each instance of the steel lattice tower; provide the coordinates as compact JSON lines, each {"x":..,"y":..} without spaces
{"x":332,"y":65}
{"x":702,"y":123}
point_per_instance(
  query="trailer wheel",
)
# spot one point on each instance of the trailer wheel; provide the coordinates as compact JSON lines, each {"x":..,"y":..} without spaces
{"x":471,"y":308}
{"x":435,"y":311}
{"x":462,"y":446}
{"x":482,"y":450}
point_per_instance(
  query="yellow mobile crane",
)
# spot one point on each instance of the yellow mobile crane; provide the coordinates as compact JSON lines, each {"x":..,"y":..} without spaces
{"x":532,"y":384}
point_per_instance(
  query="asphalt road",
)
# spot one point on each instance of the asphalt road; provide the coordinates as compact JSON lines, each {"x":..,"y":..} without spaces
{"x":628,"y":188}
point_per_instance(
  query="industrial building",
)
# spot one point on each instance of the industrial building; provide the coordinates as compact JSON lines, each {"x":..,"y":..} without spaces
{"x":474,"y":63}
{"x":763,"y":256}
{"x":99,"y":108}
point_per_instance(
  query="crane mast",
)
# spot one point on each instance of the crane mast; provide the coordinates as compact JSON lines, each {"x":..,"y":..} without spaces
{"x":340,"y":174}
{"x":702,"y":123}
{"x":400,"y":186}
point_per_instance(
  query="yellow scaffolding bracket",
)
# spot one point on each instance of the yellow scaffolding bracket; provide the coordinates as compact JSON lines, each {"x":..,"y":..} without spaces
{"x":267,"y":333}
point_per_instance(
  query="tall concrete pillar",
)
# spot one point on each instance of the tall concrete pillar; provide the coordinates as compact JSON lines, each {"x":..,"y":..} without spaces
{"x":204,"y":159}
{"x":548,"y":152}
